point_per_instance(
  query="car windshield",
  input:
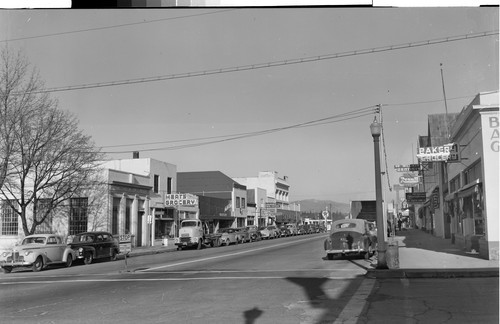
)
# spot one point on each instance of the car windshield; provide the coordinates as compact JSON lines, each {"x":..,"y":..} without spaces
{"x":34,"y":240}
{"x":83,"y":238}
{"x":189,"y":224}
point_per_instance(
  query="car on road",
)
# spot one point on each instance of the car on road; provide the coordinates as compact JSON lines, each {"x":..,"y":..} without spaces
{"x":37,"y":251}
{"x":292,"y":228}
{"x":254,"y":232}
{"x":90,"y":246}
{"x":269,"y":232}
{"x":243,"y":235}
{"x":350,"y":237}
{"x":284,"y":231}
{"x":228,"y":236}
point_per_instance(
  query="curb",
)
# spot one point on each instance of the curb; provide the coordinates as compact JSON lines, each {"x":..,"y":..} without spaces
{"x":146,"y":252}
{"x":432,"y":273}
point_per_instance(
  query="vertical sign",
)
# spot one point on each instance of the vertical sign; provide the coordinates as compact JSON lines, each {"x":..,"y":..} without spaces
{"x":491,"y":137}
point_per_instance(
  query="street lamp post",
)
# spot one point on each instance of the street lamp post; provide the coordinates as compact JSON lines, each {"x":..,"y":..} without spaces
{"x":375,"y":129}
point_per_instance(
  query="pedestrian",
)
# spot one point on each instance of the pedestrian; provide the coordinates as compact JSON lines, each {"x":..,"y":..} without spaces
{"x":400,"y":222}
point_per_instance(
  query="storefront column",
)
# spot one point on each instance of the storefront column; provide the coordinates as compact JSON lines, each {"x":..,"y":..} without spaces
{"x":134,"y":213}
{"x":144,"y":223}
{"x":153,"y":215}
{"x":122,"y":215}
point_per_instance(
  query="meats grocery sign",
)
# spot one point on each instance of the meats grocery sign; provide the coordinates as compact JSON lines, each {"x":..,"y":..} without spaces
{"x":181,"y":200}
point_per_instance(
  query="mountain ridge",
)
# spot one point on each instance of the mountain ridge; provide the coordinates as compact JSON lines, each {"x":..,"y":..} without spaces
{"x":317,"y":206}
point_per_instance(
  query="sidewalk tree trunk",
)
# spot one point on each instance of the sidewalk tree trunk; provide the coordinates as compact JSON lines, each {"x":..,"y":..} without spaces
{"x":45,"y":158}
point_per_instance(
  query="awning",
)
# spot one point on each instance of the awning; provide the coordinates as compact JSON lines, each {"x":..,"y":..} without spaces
{"x":216,"y":217}
{"x":468,"y":189}
{"x":450,"y":197}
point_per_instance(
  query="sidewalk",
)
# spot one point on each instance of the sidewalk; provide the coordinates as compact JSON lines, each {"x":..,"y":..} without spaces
{"x":422,"y":255}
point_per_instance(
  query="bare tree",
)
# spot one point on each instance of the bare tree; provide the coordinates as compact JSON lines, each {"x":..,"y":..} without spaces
{"x":46,"y":156}
{"x":16,"y":100}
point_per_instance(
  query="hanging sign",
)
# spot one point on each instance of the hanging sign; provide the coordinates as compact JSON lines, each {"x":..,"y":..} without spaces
{"x":447,"y":152}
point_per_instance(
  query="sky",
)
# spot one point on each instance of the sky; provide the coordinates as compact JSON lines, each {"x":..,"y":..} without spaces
{"x":348,"y":67}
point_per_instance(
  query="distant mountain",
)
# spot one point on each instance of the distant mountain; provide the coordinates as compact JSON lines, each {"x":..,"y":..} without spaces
{"x":313,"y":205}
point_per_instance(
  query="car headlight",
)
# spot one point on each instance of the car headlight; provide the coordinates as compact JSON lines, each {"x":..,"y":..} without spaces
{"x":80,"y":250}
{"x":5,"y":254}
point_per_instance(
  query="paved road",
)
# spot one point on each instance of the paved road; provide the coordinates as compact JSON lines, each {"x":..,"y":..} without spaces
{"x":277,"y":281}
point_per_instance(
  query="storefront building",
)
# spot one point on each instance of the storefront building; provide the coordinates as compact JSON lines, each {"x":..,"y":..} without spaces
{"x":472,"y":201}
{"x":276,"y":208}
{"x":146,"y":217}
{"x":229,"y":206}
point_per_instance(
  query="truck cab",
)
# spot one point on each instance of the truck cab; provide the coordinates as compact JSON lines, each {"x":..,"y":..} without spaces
{"x":190,"y":234}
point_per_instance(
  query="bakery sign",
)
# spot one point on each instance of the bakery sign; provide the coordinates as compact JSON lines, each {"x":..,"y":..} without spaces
{"x":447,"y":152}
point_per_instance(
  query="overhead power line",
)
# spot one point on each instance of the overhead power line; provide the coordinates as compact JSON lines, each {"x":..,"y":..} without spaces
{"x":272,"y":64}
{"x":113,"y":26}
{"x":225,"y":138}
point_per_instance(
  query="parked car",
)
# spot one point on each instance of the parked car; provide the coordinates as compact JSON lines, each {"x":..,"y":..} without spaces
{"x":228,"y":236}
{"x":274,"y":231}
{"x":243,"y":235}
{"x":304,"y":229}
{"x":267,"y":232}
{"x":90,"y":246}
{"x":37,"y":251}
{"x":254,"y":232}
{"x":284,"y":231}
{"x":292,"y":228}
{"x":350,"y":237}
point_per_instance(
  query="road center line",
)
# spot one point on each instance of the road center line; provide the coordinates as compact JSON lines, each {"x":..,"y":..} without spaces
{"x":224,"y":255}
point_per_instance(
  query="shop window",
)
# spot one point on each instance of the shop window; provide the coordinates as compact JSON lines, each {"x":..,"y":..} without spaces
{"x":115,"y":217}
{"x":473,"y":173}
{"x":10,"y":221}
{"x":169,"y":185}
{"x":46,"y":226}
{"x":78,"y":216}
{"x":243,"y":203}
{"x":455,"y":183}
{"x":156,"y":185}
{"x":128,"y":210}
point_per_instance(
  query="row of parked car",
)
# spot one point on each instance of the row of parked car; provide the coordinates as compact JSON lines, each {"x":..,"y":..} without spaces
{"x":254,"y":233}
{"x":41,"y":250}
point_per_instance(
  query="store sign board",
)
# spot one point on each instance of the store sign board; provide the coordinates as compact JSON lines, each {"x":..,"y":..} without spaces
{"x":409,"y":180}
{"x":402,"y":168}
{"x":447,"y":152}
{"x":181,"y":200}
{"x":415,"y":197}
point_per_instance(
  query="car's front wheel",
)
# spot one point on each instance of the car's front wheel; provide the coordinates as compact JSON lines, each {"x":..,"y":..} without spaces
{"x":89,"y":257}
{"x":69,"y":261}
{"x":113,"y":256}
{"x":38,"y":264}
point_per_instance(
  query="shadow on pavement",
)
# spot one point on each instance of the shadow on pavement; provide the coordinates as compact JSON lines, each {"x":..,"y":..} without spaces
{"x":318,"y":298}
{"x":252,"y":314}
